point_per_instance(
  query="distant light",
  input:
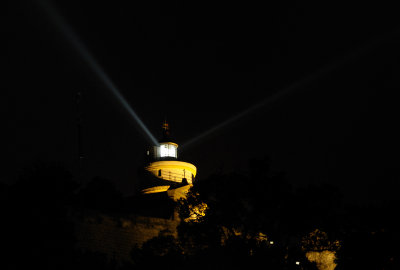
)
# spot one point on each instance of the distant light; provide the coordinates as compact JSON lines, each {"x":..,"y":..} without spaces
{"x":297,"y":263}
{"x":271,"y":242}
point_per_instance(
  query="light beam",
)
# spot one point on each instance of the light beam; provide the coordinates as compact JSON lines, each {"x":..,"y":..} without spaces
{"x":295,"y":86}
{"x":73,"y":38}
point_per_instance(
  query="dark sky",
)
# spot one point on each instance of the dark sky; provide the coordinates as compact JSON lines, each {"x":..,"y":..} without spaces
{"x":335,"y":68}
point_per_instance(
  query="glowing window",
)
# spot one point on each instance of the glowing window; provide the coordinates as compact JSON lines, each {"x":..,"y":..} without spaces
{"x":168,"y":150}
{"x":164,"y":150}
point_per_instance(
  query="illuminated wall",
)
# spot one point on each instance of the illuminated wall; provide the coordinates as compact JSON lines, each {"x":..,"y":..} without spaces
{"x":173,"y":170}
{"x":116,"y":236}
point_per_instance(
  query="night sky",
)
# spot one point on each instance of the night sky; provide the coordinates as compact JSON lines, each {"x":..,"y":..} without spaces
{"x":328,"y":74}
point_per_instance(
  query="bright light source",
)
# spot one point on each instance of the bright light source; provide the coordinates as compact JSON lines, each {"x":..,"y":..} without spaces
{"x":297,"y":263}
{"x":271,"y":242}
{"x":168,"y":150}
{"x":163,"y":150}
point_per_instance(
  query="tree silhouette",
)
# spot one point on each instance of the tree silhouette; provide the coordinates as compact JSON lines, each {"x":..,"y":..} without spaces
{"x":101,"y":194}
{"x":250,"y":219}
{"x":241,"y":210}
{"x":158,"y":252}
{"x":371,"y":238}
{"x":37,"y":230}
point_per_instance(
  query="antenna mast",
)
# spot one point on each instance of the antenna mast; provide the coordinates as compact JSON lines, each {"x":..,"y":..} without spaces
{"x":79,"y":96}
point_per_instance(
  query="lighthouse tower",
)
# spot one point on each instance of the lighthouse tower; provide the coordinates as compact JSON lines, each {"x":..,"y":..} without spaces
{"x":168,"y":173}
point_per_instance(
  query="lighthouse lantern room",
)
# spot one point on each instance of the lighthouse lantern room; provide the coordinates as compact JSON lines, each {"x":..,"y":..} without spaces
{"x":165,"y":166}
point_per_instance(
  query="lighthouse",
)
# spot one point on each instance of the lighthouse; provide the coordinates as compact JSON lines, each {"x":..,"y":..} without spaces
{"x":167,"y":173}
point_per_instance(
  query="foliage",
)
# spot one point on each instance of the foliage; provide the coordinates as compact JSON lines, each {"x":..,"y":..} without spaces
{"x":100,"y":194}
{"x":158,"y":252}
{"x":243,"y":214}
{"x":318,"y":240}
{"x":37,"y":230}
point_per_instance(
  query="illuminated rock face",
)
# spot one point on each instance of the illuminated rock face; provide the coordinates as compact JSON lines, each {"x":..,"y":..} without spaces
{"x":325,"y":260}
{"x":320,"y":249}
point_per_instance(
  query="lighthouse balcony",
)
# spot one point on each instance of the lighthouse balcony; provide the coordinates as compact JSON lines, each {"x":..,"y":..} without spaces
{"x":173,"y":170}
